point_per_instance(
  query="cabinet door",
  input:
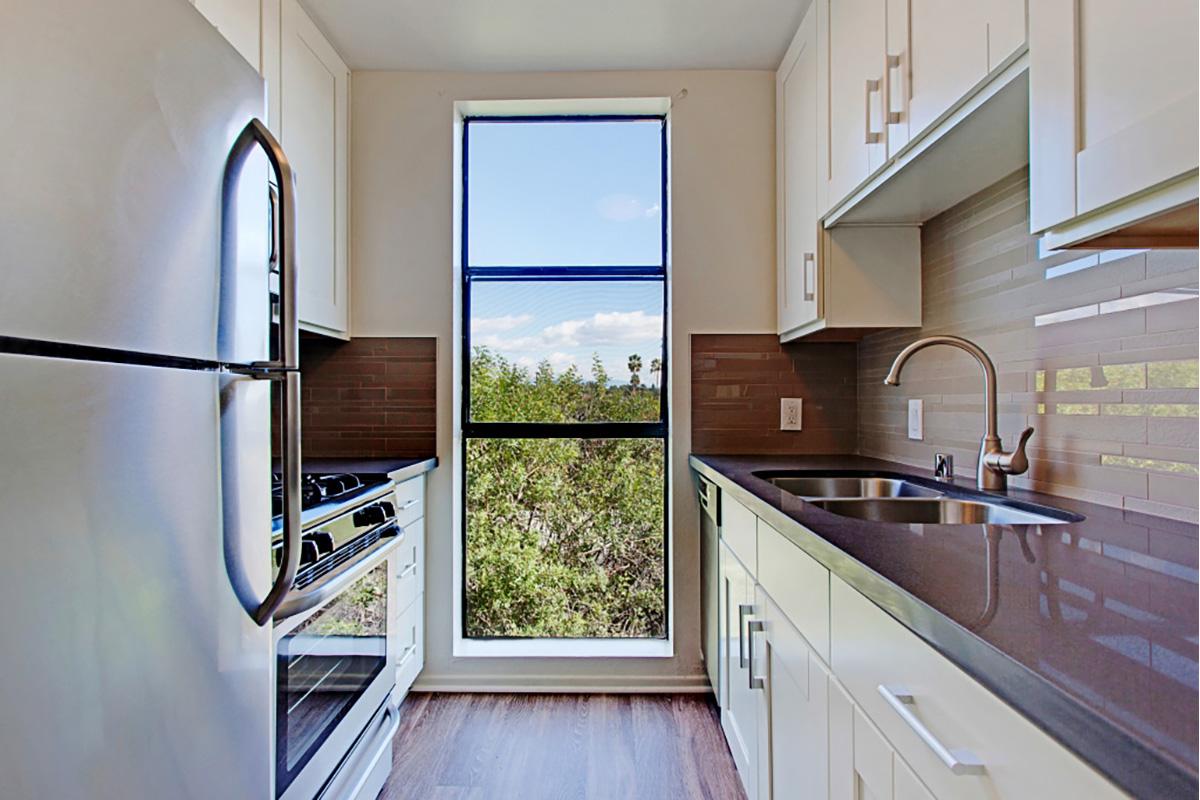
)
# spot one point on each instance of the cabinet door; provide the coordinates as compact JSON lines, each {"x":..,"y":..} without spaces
{"x":314,"y":107}
{"x":798,"y":117}
{"x":857,"y":45}
{"x":862,"y":764}
{"x":739,"y":717}
{"x":898,"y":75}
{"x":1112,"y":107}
{"x":949,"y":56}
{"x":1006,"y":30}
{"x":797,"y":711}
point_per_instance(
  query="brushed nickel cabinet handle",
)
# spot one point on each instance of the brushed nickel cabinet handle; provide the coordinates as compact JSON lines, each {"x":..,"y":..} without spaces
{"x":871,"y":136}
{"x":891,"y":117}
{"x":743,"y":610}
{"x":755,"y":626}
{"x":810,"y":267}
{"x":960,"y":762}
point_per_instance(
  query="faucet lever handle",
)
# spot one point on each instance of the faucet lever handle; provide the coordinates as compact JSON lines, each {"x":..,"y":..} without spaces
{"x":1014,"y":463}
{"x":1020,"y":462}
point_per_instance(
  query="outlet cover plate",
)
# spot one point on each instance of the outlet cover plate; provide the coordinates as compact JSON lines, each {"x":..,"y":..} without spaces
{"x":916,"y":419}
{"x":791,"y":413}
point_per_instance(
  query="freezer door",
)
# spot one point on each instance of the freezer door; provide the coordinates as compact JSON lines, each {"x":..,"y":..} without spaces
{"x":114,"y":151}
{"x":131,"y":669}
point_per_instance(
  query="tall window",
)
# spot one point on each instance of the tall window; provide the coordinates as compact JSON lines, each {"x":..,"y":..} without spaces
{"x":564,"y":417}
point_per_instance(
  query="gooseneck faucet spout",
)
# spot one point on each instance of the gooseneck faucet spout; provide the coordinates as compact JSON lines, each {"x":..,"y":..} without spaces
{"x":994,"y":465}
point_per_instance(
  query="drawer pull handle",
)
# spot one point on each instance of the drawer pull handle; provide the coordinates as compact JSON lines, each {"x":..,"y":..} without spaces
{"x":408,"y":570}
{"x":960,"y":762}
{"x":755,"y":626}
{"x":743,"y":610}
{"x":410,"y":504}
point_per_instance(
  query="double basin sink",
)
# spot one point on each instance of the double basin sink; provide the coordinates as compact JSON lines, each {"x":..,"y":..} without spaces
{"x":881,"y":497}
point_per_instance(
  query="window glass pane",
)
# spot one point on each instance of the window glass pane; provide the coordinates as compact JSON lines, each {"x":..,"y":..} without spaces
{"x":565,"y":538}
{"x":566,"y":351}
{"x":564,"y":194}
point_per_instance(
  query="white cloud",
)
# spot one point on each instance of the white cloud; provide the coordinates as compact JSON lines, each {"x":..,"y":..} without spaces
{"x":559,"y":362}
{"x":625,"y":208}
{"x":600,"y":329}
{"x":484,"y":325}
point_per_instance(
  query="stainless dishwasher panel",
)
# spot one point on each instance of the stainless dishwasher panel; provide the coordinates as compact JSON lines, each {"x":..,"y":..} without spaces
{"x":710,"y":519}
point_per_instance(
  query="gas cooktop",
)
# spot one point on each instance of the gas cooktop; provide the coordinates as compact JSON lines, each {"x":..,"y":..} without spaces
{"x":319,"y":489}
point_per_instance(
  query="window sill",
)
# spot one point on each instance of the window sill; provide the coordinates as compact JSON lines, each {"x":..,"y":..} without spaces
{"x":563,"y":648}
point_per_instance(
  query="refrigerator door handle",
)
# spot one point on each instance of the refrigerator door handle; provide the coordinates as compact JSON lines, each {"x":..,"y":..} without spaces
{"x":255,"y":134}
{"x":285,"y":367}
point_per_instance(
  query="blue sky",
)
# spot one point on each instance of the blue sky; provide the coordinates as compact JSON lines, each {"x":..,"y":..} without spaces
{"x":566,"y":194}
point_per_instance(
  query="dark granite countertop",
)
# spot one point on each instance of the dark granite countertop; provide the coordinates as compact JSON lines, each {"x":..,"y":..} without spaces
{"x":400,"y":469}
{"x":1092,"y":628}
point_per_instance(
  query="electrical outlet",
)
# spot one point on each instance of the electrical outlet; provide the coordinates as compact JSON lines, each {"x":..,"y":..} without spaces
{"x":790,"y":413}
{"x":916,"y":419}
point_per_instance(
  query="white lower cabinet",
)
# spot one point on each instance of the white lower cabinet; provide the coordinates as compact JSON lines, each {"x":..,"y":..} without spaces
{"x":793,"y":710}
{"x":739,"y":717}
{"x":861,"y":762}
{"x":825,"y":695}
{"x":410,"y":585}
{"x":960,"y":739}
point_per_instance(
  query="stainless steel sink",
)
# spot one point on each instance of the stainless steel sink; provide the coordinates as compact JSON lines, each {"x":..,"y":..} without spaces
{"x":841,"y":486}
{"x":884,"y":497}
{"x":941,"y":511}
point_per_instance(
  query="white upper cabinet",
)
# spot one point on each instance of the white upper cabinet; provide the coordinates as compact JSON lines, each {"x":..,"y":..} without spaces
{"x":314,"y":127}
{"x":857,"y":70}
{"x":839,"y":283}
{"x":797,"y":110}
{"x":1113,"y":122}
{"x":949,"y":56}
{"x":308,"y":108}
{"x":926,"y":105}
{"x":1006,"y":30}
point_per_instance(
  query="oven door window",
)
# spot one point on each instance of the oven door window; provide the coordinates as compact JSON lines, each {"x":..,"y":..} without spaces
{"x":324,"y":666}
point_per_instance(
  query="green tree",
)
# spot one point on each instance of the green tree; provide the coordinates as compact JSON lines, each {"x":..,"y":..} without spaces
{"x":635,"y":366}
{"x":655,"y":370}
{"x":564,"y":536}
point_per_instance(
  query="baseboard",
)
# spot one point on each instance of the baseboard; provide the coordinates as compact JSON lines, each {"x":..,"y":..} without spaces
{"x":552,"y":684}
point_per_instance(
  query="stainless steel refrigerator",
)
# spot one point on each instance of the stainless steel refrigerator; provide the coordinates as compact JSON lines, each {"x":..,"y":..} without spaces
{"x":137,"y":360}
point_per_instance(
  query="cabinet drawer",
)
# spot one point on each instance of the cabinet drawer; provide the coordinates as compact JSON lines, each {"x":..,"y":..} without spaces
{"x":739,"y":530}
{"x":798,"y":585}
{"x":410,"y":572}
{"x":410,"y":656}
{"x":410,"y":500}
{"x":870,"y":650}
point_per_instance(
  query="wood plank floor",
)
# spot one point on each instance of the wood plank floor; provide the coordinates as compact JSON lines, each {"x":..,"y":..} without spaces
{"x":561,"y":747}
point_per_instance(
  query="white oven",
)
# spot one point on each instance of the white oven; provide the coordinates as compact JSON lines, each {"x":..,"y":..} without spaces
{"x":335,"y":665}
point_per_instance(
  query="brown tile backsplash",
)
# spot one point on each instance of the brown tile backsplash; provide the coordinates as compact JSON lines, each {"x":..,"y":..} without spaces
{"x":738,"y":380}
{"x":369,"y":397}
{"x":1095,"y":350}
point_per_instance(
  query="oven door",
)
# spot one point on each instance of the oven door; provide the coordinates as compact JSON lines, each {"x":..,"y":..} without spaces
{"x":335,"y":666}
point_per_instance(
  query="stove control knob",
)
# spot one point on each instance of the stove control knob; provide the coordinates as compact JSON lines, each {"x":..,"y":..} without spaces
{"x":376,"y":514}
{"x":308,"y":552}
{"x":323,"y":541}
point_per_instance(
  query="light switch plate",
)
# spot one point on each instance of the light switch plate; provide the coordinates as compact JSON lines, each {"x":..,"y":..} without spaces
{"x":790,"y":413}
{"x":916,"y":419}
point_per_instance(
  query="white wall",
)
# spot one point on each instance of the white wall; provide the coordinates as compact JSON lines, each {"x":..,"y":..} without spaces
{"x":723,"y":280}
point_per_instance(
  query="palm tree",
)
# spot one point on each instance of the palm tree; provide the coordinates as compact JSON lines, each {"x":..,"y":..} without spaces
{"x":655,"y":369}
{"x":635,"y":366}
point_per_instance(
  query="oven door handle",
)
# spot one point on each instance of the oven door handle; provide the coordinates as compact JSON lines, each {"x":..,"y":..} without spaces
{"x":336,"y":582}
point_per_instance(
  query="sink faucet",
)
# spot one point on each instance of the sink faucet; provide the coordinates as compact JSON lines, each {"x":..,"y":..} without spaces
{"x":994,"y":465}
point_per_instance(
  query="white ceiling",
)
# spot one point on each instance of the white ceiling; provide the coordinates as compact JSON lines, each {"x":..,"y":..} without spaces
{"x":559,"y":35}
